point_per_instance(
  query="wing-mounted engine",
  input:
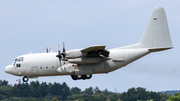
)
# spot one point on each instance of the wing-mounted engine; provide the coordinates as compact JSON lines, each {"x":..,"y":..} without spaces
{"x":90,"y":51}
{"x":100,"y":50}
{"x":75,"y":54}
{"x":93,"y":54}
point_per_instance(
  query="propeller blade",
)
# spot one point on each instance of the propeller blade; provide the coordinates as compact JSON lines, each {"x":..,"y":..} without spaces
{"x":64,"y":52}
{"x":58,"y":47}
{"x":59,"y":54}
{"x":63,"y":47}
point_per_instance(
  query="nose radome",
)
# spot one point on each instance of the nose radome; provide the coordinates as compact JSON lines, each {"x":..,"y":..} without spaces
{"x":8,"y":69}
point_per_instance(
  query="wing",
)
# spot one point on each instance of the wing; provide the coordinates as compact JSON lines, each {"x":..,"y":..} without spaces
{"x":96,"y":50}
{"x":93,"y":54}
{"x":90,"y":51}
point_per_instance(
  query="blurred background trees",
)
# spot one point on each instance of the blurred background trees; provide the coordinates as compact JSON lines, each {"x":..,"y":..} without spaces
{"x":35,"y":91}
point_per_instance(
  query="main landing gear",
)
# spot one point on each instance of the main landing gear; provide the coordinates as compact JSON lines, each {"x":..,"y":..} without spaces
{"x":25,"y":78}
{"x":83,"y":77}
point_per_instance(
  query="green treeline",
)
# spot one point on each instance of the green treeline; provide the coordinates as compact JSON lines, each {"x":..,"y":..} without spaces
{"x":35,"y":91}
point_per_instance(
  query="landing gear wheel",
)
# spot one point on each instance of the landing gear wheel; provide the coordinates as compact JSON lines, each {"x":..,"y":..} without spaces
{"x":74,"y":77}
{"x":25,"y":78}
{"x":88,"y":76}
{"x":83,"y":77}
{"x":79,"y":77}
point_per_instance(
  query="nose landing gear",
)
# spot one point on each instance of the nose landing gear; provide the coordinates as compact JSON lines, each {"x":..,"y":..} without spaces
{"x":25,"y":78}
{"x":83,"y":77}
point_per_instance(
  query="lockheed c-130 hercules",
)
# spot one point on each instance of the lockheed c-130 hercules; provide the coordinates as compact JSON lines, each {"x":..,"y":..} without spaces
{"x":82,"y":63}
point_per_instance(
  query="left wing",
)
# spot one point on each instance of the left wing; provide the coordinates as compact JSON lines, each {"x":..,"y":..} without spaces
{"x":90,"y":51}
{"x":96,"y":49}
{"x":93,"y":54}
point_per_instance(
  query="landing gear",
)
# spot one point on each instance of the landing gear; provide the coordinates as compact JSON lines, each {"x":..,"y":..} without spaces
{"x":83,"y":77}
{"x":78,"y":77}
{"x":25,"y":78}
{"x":88,"y":76}
{"x":74,"y":77}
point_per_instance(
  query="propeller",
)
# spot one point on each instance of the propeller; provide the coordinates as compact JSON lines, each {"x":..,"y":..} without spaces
{"x":59,"y":54}
{"x":63,"y":54}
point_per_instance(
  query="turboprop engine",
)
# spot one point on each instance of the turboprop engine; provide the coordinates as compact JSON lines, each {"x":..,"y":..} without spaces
{"x":69,"y":68}
{"x":75,"y":54}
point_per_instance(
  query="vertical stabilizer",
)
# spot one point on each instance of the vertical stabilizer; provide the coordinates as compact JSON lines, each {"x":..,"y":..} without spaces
{"x":156,"y":34}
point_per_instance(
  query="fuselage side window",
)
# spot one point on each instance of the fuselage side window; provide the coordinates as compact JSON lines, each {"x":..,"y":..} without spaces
{"x":18,"y":65}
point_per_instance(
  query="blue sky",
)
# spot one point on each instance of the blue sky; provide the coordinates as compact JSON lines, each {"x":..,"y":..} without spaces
{"x":31,"y":26}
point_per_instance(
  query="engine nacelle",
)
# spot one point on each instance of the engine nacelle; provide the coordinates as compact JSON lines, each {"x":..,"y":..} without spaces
{"x":75,"y":54}
{"x":69,"y":68}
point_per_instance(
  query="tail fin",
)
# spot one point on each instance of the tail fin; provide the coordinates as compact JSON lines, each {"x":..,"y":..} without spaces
{"x":156,"y":35}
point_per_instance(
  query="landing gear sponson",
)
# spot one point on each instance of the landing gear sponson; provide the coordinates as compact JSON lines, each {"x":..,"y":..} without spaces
{"x":83,"y":77}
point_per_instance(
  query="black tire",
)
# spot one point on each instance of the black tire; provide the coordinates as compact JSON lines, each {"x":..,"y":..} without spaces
{"x":88,"y":76}
{"x":74,"y":77}
{"x":83,"y":77}
{"x":25,"y":78}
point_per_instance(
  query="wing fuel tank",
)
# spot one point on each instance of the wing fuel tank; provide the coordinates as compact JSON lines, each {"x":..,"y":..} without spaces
{"x":86,"y":60}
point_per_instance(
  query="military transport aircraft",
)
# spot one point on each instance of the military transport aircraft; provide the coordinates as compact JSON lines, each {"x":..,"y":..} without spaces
{"x":82,"y":63}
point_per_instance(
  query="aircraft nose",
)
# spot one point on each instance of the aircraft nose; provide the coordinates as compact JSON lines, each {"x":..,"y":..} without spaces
{"x":8,"y":69}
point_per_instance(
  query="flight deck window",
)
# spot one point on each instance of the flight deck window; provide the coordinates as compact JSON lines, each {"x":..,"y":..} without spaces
{"x":19,"y":59}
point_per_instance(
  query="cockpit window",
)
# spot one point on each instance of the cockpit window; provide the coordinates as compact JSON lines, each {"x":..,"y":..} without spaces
{"x":19,"y":59}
